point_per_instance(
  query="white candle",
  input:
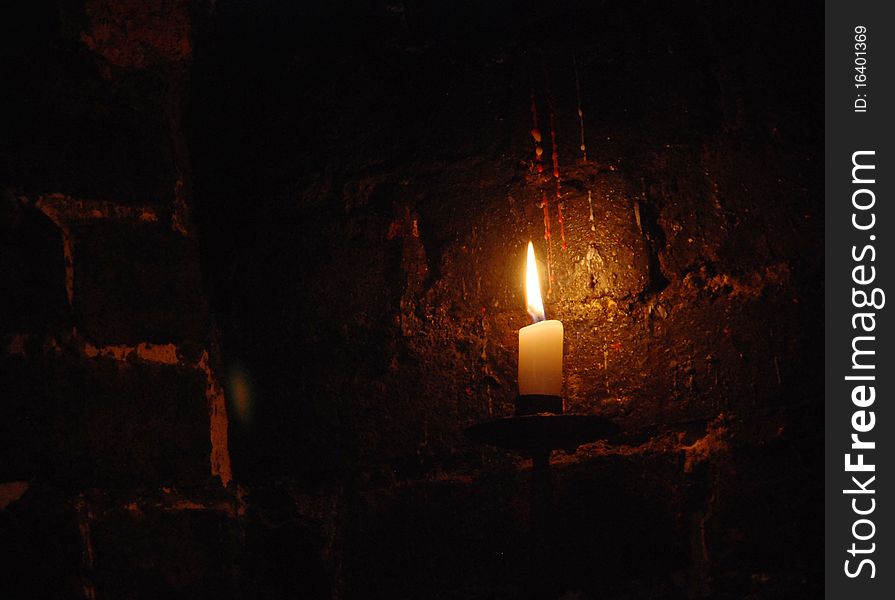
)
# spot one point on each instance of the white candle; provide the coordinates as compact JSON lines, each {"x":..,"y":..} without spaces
{"x":540,"y":345}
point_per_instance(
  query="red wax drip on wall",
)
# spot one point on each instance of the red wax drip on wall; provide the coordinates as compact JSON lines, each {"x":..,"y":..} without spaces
{"x":547,"y":237}
{"x":536,"y":133}
{"x":550,"y":114}
{"x":555,"y":160}
{"x":580,"y":111}
{"x":562,"y":227}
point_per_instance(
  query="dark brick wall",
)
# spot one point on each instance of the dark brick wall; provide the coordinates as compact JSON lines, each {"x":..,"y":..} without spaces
{"x":108,"y":364}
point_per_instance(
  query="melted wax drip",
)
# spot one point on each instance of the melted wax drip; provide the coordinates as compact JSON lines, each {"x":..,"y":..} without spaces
{"x":580,"y":112}
{"x":550,"y":114}
{"x":536,"y":133}
{"x":547,"y":237}
{"x":562,"y":227}
{"x":590,"y":205}
{"x":555,"y":152}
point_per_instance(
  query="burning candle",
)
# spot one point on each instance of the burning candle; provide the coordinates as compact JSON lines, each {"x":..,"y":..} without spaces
{"x":540,"y":345}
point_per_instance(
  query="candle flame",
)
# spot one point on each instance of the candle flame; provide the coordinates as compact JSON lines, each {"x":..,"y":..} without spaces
{"x":533,"y":301}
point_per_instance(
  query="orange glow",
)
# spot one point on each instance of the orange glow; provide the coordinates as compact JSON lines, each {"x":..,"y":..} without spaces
{"x":533,"y":302}
{"x":241,"y":394}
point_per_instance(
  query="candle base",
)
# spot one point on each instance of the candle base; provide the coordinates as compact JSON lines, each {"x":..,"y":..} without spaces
{"x":533,"y":404}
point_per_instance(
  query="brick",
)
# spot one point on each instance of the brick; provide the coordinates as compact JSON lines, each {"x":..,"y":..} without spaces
{"x":102,"y":423}
{"x":137,"y":282}
{"x":32,"y":271}
{"x":144,"y":552}
{"x":299,"y":568}
{"x":147,"y":423}
{"x":29,"y":443}
{"x":40,"y":548}
{"x":73,"y":130}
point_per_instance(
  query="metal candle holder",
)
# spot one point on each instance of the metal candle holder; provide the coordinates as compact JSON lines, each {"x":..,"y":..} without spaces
{"x":538,"y":427}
